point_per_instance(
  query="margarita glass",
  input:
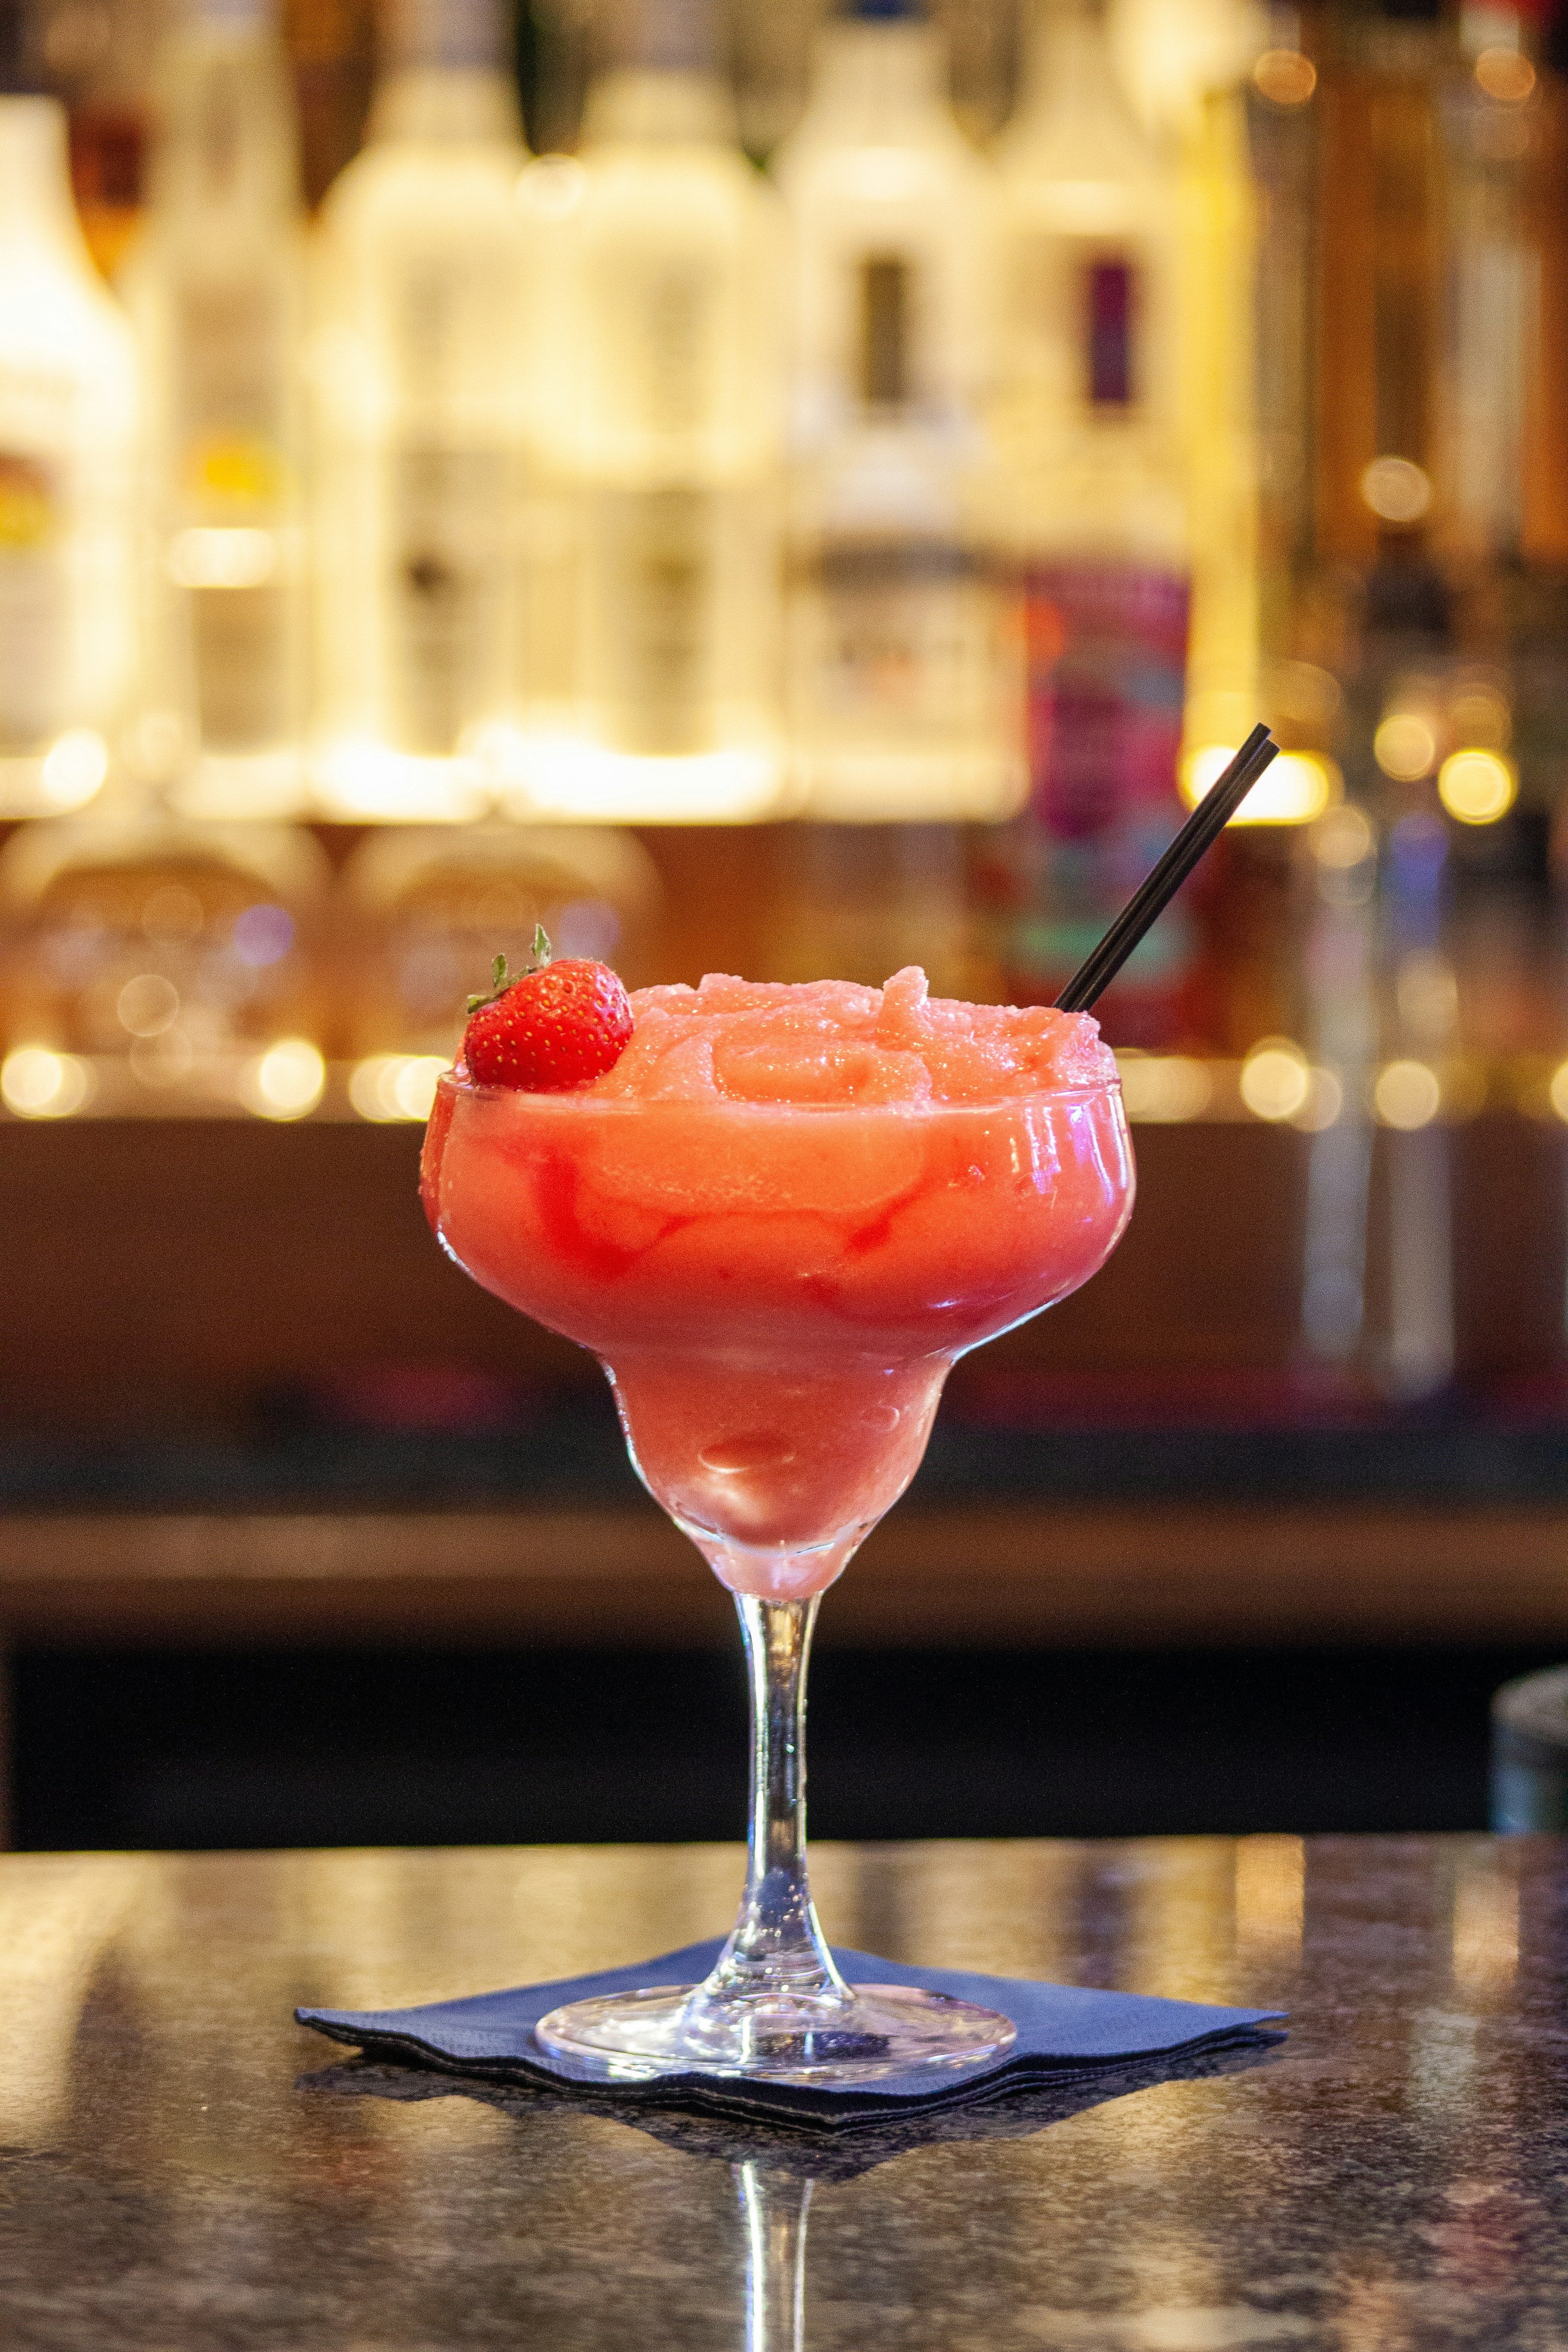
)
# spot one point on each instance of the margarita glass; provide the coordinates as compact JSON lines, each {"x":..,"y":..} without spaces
{"x":778,"y":1221}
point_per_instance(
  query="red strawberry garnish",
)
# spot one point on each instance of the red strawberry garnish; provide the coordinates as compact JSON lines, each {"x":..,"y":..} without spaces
{"x":556,"y":1027}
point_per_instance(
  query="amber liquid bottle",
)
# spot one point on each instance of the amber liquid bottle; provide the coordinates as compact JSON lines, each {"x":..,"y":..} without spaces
{"x":1394,"y":598}
{"x":1379,"y":483}
{"x":331,"y":52}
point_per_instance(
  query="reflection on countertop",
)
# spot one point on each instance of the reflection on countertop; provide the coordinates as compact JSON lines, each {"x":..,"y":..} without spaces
{"x":187,"y":2170}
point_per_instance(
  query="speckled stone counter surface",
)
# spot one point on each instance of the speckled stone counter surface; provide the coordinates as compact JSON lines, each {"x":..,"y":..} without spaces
{"x":183,"y":2170}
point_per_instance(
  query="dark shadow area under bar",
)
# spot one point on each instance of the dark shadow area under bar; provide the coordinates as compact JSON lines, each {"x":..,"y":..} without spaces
{"x":131,"y":1748}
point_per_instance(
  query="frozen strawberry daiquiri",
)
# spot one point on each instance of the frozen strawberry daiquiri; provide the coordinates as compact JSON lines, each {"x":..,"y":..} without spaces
{"x":777,"y":1215}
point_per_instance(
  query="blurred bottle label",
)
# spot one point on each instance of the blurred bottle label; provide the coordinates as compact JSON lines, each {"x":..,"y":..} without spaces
{"x":906,"y":634}
{"x":654,"y":565}
{"x":241,"y":642}
{"x":35,"y":601}
{"x":447,"y":600}
{"x":1107,"y":669}
{"x":1107,"y":659}
{"x":1110,"y":292}
{"x":670,"y":320}
{"x":885,"y":309}
{"x":231,"y":372}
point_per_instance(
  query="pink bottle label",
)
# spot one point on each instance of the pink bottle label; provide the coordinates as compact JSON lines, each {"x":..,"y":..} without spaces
{"x":1107,"y":664}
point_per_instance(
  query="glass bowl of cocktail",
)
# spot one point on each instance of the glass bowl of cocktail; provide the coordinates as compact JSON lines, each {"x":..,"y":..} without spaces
{"x":778,"y":1219}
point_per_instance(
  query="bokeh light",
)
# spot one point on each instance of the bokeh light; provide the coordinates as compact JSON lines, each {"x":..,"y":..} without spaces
{"x":1396,"y":489}
{"x":1164,"y":1089}
{"x":1276,"y":1079}
{"x":285,"y":1082}
{"x":1407,"y":1096}
{"x":1477,"y":787}
{"x":74,"y":767}
{"x":1285,"y":77}
{"x":1294,"y":788}
{"x":1405,"y":746}
{"x":36,"y":1083}
{"x":389,"y":1087}
{"x":1504,"y":75}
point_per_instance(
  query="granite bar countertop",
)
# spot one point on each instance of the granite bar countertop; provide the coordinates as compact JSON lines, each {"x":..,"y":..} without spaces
{"x":183,"y":2170}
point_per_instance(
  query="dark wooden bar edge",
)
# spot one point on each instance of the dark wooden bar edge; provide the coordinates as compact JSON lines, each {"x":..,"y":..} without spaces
{"x":968,"y":1575}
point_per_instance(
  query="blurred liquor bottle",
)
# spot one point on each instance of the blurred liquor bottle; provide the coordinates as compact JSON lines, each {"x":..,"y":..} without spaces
{"x":416,"y":381}
{"x":215,"y":287}
{"x":68,"y":411}
{"x":1186,"y":65}
{"x":1089,"y":426}
{"x":1263,"y":899}
{"x":1226,"y":89}
{"x":1503,"y":722}
{"x":904,"y":677}
{"x":1440,"y":528}
{"x":667,"y":344}
{"x":331,"y":46}
{"x":1377,"y":603}
{"x":1381,"y":1024}
{"x":1283,"y":117}
{"x":1504,"y":402}
{"x":1382,"y":487}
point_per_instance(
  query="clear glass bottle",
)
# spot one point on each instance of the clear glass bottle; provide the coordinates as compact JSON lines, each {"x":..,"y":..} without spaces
{"x":216,"y":289}
{"x":671,"y":452}
{"x":904,"y":679}
{"x":415,"y":367}
{"x":68,"y":410}
{"x":1089,"y":420}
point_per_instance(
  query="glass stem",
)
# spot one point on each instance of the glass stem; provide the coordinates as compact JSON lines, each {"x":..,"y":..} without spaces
{"x":775,"y":2206}
{"x":776,"y":1941}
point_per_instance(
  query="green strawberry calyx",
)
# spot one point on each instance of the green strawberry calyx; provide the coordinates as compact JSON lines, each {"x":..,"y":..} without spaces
{"x":502,"y":979}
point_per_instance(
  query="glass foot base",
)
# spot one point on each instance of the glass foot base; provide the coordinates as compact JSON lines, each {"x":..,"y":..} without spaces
{"x":880,"y":2031}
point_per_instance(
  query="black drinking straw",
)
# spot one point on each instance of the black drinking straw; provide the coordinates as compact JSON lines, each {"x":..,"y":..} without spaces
{"x":1201,"y":831}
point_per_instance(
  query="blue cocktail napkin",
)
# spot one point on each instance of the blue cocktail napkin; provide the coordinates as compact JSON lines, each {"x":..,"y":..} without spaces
{"x":1063,"y":2031}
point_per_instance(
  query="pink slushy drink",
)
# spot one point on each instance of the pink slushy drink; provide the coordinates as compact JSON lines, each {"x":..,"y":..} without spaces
{"x":778,"y":1220}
